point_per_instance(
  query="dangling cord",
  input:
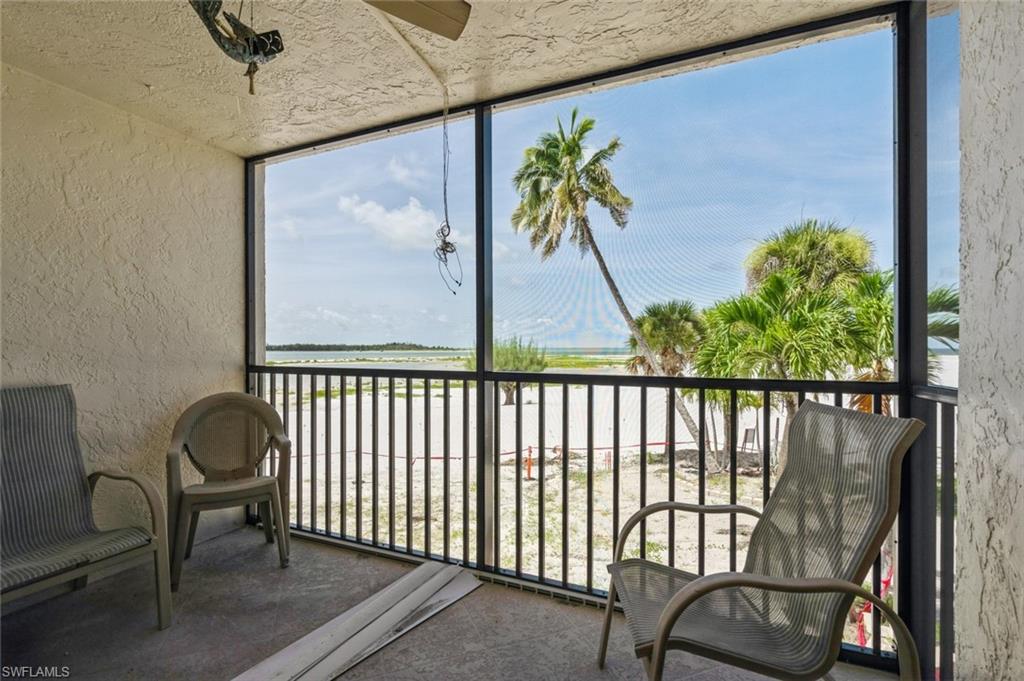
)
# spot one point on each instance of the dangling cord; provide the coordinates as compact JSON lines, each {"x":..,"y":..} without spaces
{"x":446,"y":248}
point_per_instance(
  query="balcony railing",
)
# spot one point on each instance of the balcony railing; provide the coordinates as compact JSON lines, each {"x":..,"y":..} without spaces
{"x":390,"y":460}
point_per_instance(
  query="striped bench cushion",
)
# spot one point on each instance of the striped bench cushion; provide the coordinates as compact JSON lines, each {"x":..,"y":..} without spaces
{"x":22,"y":569}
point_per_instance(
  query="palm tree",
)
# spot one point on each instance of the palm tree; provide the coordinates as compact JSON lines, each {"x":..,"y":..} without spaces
{"x":513,"y":354}
{"x":944,"y":316}
{"x":782,"y":330}
{"x":556,"y":182}
{"x":673,"y":330}
{"x":558,"y":178}
{"x":871,"y":302}
{"x":822,"y":253}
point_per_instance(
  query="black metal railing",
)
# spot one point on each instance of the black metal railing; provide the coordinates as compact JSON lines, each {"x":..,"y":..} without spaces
{"x":389,"y":460}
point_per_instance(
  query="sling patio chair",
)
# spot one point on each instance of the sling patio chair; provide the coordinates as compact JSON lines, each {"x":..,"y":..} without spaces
{"x":47,"y":533}
{"x":809,"y":553}
{"x":226,"y":437}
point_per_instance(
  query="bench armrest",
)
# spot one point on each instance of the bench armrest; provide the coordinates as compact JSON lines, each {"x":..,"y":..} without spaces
{"x":910,"y":664}
{"x":634,"y":520}
{"x":156,"y":506}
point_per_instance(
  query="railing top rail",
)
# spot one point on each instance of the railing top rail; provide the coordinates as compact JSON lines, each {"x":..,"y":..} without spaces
{"x":936,"y":393}
{"x":628,"y":380}
{"x":753,"y":384}
{"x":363,"y":371}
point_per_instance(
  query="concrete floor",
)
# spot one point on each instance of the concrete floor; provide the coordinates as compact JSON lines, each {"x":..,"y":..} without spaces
{"x":236,"y":607}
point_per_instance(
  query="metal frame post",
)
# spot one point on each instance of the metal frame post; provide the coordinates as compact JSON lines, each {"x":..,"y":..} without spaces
{"x":916,"y":528}
{"x":484,"y":343}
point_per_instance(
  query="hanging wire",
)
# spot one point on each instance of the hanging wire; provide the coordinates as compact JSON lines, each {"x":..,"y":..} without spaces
{"x":445,"y":248}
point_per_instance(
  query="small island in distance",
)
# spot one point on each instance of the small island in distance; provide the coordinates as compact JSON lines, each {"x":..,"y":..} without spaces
{"x":335,"y":347}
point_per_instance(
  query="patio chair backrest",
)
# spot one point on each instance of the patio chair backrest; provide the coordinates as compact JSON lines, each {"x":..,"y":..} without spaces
{"x":830,"y":512}
{"x":45,"y":498}
{"x":227,"y":435}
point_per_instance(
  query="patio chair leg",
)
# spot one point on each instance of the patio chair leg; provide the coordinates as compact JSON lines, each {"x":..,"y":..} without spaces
{"x":192,"y":534}
{"x":180,"y":539}
{"x":606,"y":630}
{"x":163,"y":583}
{"x":282,"y":539}
{"x":268,"y":522}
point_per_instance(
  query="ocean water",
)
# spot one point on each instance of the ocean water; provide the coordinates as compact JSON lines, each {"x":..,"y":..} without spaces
{"x":947,"y":364}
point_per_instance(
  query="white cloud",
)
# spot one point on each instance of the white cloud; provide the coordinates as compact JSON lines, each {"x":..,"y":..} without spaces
{"x":408,"y":227}
{"x":408,"y":172}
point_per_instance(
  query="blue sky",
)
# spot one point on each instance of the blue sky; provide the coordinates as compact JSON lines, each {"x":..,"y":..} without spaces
{"x":714,"y":161}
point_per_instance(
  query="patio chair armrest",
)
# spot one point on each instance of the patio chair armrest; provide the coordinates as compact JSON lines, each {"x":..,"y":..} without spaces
{"x":634,"y":520}
{"x":910,"y":665}
{"x":157,"y":515}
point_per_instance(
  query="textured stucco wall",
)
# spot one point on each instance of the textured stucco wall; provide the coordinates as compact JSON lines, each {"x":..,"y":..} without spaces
{"x":990,"y":524}
{"x":122,"y":272}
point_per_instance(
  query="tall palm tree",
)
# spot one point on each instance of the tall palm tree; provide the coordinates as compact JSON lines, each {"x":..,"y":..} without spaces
{"x":782,"y":330}
{"x":673,"y":330}
{"x":556,"y":181}
{"x":822,"y":253}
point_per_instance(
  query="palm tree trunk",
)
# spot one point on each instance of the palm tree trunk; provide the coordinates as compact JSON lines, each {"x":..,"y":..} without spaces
{"x":724,"y":456}
{"x":791,"y":407}
{"x":641,"y":342}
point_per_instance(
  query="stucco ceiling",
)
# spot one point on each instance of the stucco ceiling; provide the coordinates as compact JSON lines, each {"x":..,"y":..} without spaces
{"x":341,"y":71}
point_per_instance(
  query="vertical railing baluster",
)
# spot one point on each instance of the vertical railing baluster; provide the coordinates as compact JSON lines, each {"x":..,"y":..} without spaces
{"x":876,"y":570}
{"x":541,"y":482}
{"x":670,"y":410}
{"x":766,"y":446}
{"x":519,"y":479}
{"x":391,"y":463}
{"x":733,"y":433}
{"x":313,"y":440}
{"x":343,"y":459}
{"x":701,"y":474}
{"x":947,"y":529}
{"x":496,"y":396}
{"x":465,"y":471}
{"x":616,"y":472}
{"x":800,"y":397}
{"x":327,"y":452}
{"x":565,"y":485}
{"x":643,"y":469}
{"x":837,"y":399}
{"x":427,"y":518}
{"x":359,"y":458}
{"x":590,"y":488}
{"x":408,"y":466}
{"x":446,"y":472}
{"x":298,"y":450}
{"x":374,"y":462}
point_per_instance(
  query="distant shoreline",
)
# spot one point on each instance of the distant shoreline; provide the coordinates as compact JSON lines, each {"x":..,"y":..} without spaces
{"x":341,"y":347}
